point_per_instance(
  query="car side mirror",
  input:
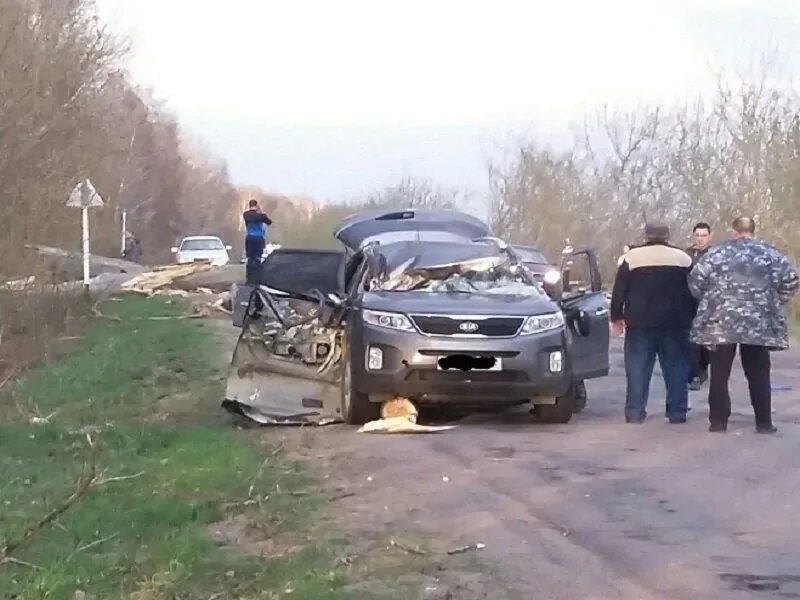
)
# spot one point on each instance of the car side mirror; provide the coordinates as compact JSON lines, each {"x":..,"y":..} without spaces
{"x":228,"y":247}
{"x":174,"y":250}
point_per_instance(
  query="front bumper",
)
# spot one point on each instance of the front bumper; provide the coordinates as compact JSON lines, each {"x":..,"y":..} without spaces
{"x":410,"y":366}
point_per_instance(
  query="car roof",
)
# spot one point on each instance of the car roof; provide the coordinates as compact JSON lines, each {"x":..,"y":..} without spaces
{"x":201,"y":237}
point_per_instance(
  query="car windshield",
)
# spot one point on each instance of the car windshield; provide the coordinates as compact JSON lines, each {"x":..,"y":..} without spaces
{"x":530,"y":255}
{"x":451,"y":268}
{"x":202,"y":244}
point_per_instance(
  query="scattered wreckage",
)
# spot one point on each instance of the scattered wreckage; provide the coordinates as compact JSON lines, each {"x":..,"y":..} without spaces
{"x":115,"y":276}
{"x":422,"y":305}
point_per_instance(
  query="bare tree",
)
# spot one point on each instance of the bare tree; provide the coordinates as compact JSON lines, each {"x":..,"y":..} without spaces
{"x":712,"y":159}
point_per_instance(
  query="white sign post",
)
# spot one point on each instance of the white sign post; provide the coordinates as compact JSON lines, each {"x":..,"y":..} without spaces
{"x":84,"y":196}
{"x":124,"y":231}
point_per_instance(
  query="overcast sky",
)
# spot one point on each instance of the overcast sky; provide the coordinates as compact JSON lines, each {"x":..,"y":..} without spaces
{"x":335,"y":98}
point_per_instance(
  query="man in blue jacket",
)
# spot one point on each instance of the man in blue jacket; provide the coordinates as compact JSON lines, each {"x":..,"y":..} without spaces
{"x":652,"y":304}
{"x":256,"y":223}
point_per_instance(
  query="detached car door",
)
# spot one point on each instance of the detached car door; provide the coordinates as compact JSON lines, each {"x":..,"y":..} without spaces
{"x":586,"y":311}
{"x":286,"y":367}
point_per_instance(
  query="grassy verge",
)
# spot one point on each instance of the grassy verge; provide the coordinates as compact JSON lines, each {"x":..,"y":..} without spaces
{"x":180,"y":506}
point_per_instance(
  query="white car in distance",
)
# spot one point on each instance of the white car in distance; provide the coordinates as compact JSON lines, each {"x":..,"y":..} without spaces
{"x":201,"y":248}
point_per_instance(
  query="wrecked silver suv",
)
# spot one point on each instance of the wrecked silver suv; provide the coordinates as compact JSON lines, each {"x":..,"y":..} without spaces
{"x":422,"y":305}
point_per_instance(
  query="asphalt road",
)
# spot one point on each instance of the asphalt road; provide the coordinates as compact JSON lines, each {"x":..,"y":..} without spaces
{"x":594,"y":509}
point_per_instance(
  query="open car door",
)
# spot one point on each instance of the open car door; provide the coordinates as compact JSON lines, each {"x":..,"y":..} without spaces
{"x":586,"y":311}
{"x":286,"y":364}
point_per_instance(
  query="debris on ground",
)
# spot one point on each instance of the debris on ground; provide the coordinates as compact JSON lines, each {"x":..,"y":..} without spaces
{"x":463,"y":549}
{"x":399,"y":415}
{"x":18,"y":285}
{"x":407,"y":549}
{"x":149,"y":282}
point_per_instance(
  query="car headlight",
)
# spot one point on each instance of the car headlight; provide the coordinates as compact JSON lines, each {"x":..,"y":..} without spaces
{"x":539,"y":323}
{"x":552,"y":277}
{"x":388,"y":320}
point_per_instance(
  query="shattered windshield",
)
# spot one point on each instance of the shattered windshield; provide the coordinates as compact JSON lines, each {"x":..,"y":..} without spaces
{"x":451,"y":268}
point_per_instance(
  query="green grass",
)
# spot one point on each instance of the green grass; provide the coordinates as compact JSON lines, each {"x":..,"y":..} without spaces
{"x":147,"y":536}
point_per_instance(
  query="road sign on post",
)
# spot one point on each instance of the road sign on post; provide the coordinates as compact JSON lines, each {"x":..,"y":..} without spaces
{"x":84,"y":196}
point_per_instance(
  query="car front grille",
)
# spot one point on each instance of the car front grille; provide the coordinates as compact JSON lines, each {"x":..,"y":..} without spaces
{"x":488,"y":327}
{"x":447,"y":377}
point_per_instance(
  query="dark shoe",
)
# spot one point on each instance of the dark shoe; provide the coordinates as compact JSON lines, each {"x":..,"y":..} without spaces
{"x":677,"y":420}
{"x":766,"y":429}
{"x":634,"y":421}
{"x":718,"y":428}
{"x":695,"y":384}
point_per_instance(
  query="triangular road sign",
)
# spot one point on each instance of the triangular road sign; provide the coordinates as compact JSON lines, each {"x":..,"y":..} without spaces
{"x":84,"y":195}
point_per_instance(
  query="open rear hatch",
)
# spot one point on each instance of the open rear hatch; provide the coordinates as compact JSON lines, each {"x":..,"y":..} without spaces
{"x":387,"y":227}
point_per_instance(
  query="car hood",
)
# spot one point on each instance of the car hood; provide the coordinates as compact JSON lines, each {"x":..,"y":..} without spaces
{"x":458,"y":304}
{"x":409,"y":225}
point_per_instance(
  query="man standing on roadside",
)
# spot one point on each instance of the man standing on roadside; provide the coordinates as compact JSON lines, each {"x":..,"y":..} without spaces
{"x":701,"y":242}
{"x":652,"y":304}
{"x":743,"y":286}
{"x":256,"y":223}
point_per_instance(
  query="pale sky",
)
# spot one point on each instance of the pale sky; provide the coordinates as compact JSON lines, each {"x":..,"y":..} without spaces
{"x":333,"y":99}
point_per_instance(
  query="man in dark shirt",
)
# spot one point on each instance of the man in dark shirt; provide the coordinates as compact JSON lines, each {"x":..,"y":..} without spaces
{"x":256,"y":223}
{"x":652,"y":304}
{"x":133,"y":248}
{"x":701,"y":242}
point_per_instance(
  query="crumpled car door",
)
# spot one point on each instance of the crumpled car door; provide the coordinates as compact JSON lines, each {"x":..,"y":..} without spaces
{"x":286,"y":365}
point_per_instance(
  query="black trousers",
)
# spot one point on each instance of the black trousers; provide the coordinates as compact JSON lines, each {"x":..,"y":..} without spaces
{"x":701,"y":359}
{"x":253,"y":248}
{"x":757,"y":366}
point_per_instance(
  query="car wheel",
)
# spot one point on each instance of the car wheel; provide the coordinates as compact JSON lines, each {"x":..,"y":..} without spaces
{"x":581,"y":397}
{"x":356,"y":408}
{"x":561,"y":411}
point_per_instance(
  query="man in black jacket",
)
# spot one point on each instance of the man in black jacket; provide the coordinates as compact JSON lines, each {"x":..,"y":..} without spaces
{"x":652,"y":304}
{"x":256,"y":223}
{"x":701,"y":242}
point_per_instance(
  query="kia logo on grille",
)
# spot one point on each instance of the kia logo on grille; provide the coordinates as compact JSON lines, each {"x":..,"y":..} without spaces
{"x":468,"y":327}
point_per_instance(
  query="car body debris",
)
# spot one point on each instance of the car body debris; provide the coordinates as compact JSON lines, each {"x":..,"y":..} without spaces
{"x":281,"y":366}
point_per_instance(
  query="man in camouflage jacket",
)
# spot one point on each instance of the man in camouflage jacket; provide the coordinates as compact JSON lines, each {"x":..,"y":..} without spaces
{"x":742,"y":286}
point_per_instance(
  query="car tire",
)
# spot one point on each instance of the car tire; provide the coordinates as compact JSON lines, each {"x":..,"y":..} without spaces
{"x":561,"y":411}
{"x":581,"y":397}
{"x":356,"y":408}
